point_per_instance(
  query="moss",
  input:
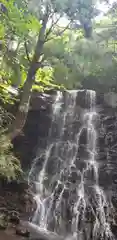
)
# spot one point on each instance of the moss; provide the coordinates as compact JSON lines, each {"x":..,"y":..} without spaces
{"x":3,"y":221}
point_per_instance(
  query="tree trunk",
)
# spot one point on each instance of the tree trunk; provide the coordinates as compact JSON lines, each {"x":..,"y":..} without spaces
{"x":22,"y":112}
{"x":21,"y":115}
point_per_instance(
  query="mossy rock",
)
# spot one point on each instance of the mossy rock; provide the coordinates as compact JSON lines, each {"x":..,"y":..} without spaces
{"x":14,"y":217}
{"x":3,"y":221}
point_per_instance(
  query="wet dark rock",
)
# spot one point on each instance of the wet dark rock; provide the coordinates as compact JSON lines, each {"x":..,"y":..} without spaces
{"x":74,"y":176}
{"x":100,"y":98}
{"x":83,"y":153}
{"x":36,"y":129}
{"x":41,"y":101}
{"x":80,"y":164}
{"x":81,"y":99}
{"x":36,"y":139}
{"x":105,"y":179}
{"x":20,"y":231}
{"x":83,"y":137}
{"x":66,"y":193}
{"x":114,"y":229}
{"x":14,"y":217}
{"x":16,"y":200}
{"x":58,"y":189}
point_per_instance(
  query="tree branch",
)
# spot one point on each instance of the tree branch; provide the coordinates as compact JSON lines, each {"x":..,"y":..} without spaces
{"x":41,"y":37}
{"x":27,"y":53}
{"x":34,"y":65}
{"x":59,"y":33}
{"x":40,"y":65}
{"x":64,"y":29}
{"x":52,"y":26}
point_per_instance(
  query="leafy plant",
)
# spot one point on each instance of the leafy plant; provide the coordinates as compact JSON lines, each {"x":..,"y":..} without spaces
{"x":38,"y":52}
{"x":9,"y":165}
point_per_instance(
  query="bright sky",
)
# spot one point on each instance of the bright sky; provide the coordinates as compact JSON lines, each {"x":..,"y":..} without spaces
{"x":103,"y":7}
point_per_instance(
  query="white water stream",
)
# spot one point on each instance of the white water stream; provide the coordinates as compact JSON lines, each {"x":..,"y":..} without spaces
{"x":69,"y":199}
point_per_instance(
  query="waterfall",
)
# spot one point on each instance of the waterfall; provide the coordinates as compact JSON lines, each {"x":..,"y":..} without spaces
{"x":70,"y":201}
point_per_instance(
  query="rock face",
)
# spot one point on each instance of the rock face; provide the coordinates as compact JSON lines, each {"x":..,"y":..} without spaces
{"x":36,"y":136}
{"x":111,"y":99}
{"x":37,"y":126}
{"x":39,"y":121}
{"x":16,"y":200}
{"x":35,"y":130}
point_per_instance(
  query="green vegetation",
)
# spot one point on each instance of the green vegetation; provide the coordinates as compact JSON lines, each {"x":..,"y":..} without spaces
{"x":52,"y":44}
{"x":9,"y":165}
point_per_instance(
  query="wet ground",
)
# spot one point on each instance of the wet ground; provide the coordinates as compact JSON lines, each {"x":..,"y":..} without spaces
{"x":9,"y":234}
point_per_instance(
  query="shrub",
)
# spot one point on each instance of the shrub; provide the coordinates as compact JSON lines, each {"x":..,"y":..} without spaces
{"x":9,"y":165}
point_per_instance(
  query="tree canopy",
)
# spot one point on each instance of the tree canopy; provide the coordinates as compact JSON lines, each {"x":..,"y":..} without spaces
{"x":76,"y":46}
{"x":53,"y":44}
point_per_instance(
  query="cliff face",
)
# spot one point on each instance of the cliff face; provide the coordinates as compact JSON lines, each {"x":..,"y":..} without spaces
{"x":36,"y":136}
{"x":107,"y":156}
{"x":35,"y":131}
{"x":39,"y":119}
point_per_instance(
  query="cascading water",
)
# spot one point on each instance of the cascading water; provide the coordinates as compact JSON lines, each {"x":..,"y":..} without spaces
{"x":69,"y":199}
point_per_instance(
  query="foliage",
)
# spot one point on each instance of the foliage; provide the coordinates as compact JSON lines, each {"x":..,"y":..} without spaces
{"x":9,"y":165}
{"x":103,"y":75}
{"x":68,"y":59}
{"x":80,"y":52}
{"x":39,"y":52}
{"x":20,"y":28}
